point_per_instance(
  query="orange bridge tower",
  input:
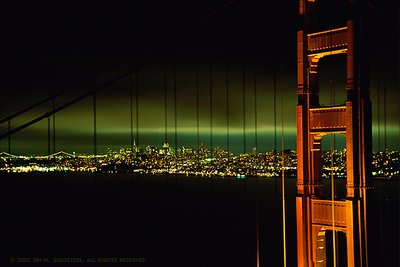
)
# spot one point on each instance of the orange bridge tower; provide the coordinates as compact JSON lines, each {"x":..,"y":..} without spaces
{"x":316,"y":215}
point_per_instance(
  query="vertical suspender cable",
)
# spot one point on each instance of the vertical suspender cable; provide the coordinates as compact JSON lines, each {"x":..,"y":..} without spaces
{"x":48,"y":136}
{"x":94,"y":143}
{"x":276,"y":159}
{"x":283,"y":181}
{"x":175,"y":111}
{"x":9,"y":136}
{"x":257,"y":227}
{"x":165,"y":103}
{"x":282,"y":87}
{"x":379,"y":118}
{"x":255,"y":111}
{"x":244,"y":104}
{"x":131,"y":110}
{"x":333,"y":181}
{"x":361,"y":169}
{"x":257,"y":192}
{"x":197,"y":110}
{"x":333,"y":200}
{"x":133,"y":152}
{"x":137,"y":108}
{"x":274,"y":78}
{"x":54,"y":125}
{"x":384,"y":115}
{"x":244,"y":122}
{"x":166,"y":152}
{"x":94,"y":126}
{"x":227,"y":109}
{"x":211,"y":107}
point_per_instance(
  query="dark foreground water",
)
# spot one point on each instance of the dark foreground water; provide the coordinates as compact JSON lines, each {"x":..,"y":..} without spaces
{"x":125,"y":220}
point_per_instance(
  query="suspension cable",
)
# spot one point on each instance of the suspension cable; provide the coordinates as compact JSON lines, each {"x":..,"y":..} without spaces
{"x":147,"y":53}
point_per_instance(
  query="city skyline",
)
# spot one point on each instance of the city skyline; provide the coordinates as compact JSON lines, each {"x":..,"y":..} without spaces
{"x":201,"y":161}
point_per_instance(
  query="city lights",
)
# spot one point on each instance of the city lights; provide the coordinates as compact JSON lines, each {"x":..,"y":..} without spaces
{"x":191,"y":161}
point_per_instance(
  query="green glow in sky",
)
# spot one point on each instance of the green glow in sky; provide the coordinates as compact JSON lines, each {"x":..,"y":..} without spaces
{"x":74,"y":125}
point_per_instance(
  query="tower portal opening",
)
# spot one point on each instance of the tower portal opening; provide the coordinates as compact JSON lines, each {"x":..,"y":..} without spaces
{"x":332,"y":80}
{"x":334,"y":166}
{"x":340,"y":248}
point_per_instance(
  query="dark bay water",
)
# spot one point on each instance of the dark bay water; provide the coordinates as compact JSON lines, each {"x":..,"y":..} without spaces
{"x":164,"y":220}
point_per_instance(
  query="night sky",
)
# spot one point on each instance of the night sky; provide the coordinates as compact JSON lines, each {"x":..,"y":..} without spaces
{"x":234,"y":45}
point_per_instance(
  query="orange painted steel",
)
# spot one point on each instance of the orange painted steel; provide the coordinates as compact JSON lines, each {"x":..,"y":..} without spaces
{"x":314,"y":214}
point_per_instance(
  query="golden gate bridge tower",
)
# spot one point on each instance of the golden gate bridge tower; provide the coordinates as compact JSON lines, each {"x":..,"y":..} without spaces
{"x":314,"y":214}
